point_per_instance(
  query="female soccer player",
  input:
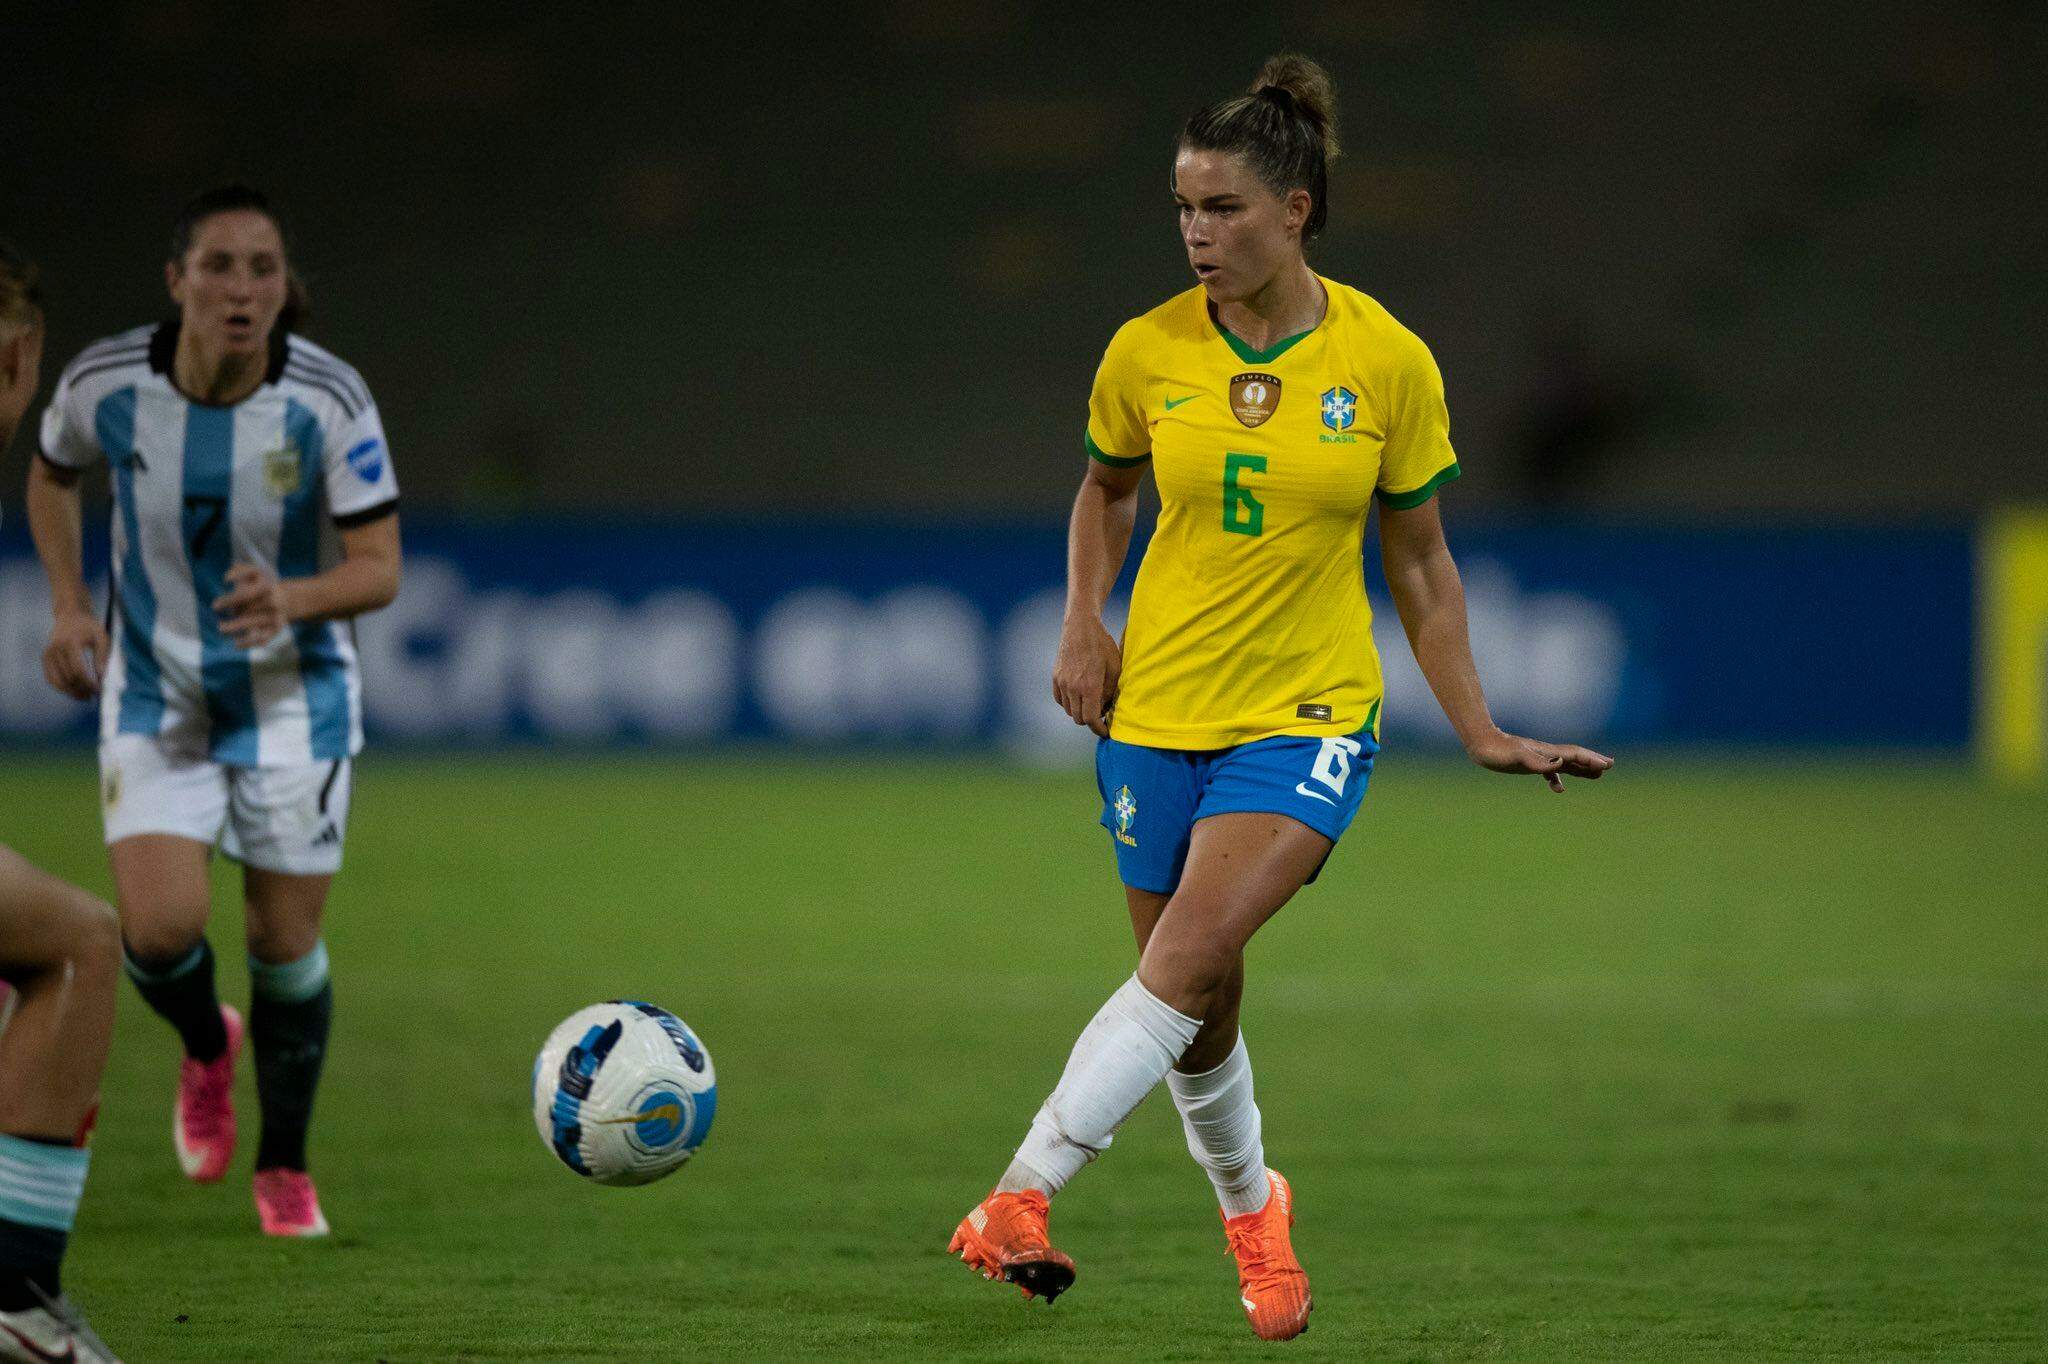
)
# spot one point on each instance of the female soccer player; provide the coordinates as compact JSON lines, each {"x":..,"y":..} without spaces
{"x":254,"y":515}
{"x":1240,"y":717}
{"x":60,"y":953}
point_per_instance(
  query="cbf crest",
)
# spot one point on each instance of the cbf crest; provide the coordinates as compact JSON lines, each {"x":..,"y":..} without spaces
{"x":281,"y":472}
{"x":1126,"y":809}
{"x":1340,"y":408}
{"x":1254,"y":397}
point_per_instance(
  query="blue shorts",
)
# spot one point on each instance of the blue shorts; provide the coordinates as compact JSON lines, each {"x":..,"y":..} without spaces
{"x":1151,"y":797}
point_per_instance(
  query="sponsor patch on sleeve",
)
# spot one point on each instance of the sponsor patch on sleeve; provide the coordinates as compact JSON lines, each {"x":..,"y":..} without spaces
{"x":367,"y":459}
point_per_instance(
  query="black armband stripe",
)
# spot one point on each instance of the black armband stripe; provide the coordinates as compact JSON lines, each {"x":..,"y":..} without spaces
{"x":70,"y":472}
{"x":350,"y":520}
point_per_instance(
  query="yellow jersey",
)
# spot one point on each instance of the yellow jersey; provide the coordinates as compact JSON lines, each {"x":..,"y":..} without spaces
{"x":1249,"y":619}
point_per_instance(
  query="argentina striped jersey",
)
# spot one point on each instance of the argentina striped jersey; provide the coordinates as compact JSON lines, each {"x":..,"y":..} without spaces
{"x":199,"y":488}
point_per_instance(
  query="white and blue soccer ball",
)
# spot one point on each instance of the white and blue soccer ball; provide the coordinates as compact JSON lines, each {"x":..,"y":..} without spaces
{"x":623,"y":1092}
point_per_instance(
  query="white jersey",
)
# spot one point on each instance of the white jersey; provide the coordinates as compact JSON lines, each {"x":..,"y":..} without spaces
{"x":199,"y":488}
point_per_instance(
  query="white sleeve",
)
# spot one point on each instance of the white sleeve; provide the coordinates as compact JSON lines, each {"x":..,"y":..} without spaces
{"x":68,"y":435}
{"x":360,"y":481}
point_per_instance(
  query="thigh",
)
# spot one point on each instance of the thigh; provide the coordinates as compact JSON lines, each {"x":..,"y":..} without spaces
{"x":1242,"y":867}
{"x":1146,"y":906}
{"x":40,"y":916}
{"x":291,"y":820}
{"x":284,"y":912}
{"x":161,"y":890}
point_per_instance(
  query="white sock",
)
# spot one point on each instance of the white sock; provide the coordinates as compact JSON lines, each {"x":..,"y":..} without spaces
{"x":1224,"y":1130}
{"x":1130,"y":1043}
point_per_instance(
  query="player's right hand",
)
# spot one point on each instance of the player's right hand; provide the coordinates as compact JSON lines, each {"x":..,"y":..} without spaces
{"x":75,"y":660}
{"x":1085,"y":676}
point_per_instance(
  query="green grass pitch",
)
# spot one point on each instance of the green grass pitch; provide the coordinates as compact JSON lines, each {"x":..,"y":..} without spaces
{"x":1714,"y":1060}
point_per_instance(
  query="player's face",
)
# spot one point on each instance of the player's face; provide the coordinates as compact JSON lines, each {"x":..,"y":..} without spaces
{"x":1238,"y":233}
{"x":231,"y":284}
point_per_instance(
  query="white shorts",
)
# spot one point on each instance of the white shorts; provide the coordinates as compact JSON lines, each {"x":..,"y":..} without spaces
{"x":284,"y":819}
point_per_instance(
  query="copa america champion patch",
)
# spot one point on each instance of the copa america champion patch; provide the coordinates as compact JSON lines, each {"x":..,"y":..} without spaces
{"x":1254,"y":397}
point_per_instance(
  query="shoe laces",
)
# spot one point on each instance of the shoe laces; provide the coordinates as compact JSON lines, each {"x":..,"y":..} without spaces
{"x":1252,"y":1245}
{"x":1024,"y":1221}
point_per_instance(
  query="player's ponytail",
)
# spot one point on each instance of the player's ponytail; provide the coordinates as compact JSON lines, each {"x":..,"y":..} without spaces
{"x":298,"y":303}
{"x":1285,"y":129}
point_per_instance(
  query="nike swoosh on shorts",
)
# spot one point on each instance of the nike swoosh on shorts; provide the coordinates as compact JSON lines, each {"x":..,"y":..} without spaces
{"x":1301,"y":789}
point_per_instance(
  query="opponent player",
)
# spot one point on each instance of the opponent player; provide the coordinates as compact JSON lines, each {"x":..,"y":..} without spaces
{"x":1240,"y":718}
{"x":60,"y":951}
{"x":255,"y":513}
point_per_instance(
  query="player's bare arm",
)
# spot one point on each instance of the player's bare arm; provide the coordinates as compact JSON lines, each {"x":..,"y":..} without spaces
{"x":1431,"y":600}
{"x":1084,"y":677}
{"x":258,"y":604}
{"x":75,"y":659}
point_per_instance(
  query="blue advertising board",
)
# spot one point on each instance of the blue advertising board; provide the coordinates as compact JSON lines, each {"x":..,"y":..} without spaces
{"x":606,"y":633}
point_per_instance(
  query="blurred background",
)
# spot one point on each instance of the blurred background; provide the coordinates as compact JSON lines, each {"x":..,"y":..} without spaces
{"x":735,"y":371}
{"x":735,"y":367}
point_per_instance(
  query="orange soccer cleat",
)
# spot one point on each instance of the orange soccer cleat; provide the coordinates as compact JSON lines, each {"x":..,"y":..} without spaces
{"x":1270,"y":1282}
{"x":1005,"y":1238}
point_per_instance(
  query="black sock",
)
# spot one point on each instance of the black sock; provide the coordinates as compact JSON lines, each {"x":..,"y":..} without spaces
{"x":181,"y":990}
{"x":30,"y":1258}
{"x":291,"y":1042}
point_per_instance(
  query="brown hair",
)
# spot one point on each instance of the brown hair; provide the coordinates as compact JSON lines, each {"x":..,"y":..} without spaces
{"x":21,"y":294}
{"x":298,"y":302}
{"x":1285,"y":129}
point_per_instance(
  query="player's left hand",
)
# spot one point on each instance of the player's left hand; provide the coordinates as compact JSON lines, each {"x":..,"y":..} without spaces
{"x":1504,"y":752}
{"x":253,"y":609}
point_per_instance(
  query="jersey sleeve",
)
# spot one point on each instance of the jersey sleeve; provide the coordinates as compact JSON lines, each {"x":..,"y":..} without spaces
{"x":1118,"y":434}
{"x":1418,"y":458}
{"x":69,"y":438}
{"x":360,"y":483}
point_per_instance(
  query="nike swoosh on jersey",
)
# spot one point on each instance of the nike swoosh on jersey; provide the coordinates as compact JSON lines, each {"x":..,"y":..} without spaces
{"x":1172,"y":403}
{"x":1301,"y":788}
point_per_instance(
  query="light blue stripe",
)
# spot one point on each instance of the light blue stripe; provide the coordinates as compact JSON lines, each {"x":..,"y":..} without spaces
{"x":184,"y":966}
{"x":55,"y":1188}
{"x":223,"y":668}
{"x":142,"y":695}
{"x":321,"y":668}
{"x":40,"y":1185}
{"x":290,"y":982}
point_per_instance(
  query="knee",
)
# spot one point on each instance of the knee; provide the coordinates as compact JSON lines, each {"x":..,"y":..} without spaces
{"x":1188,"y":974}
{"x":98,"y":935}
{"x":278,"y":943}
{"x":156,"y":942}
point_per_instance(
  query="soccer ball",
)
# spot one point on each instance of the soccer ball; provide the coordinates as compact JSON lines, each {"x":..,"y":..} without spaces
{"x":623,"y":1092}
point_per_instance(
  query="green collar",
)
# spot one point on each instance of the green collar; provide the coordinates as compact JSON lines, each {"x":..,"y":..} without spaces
{"x":1244,"y":349}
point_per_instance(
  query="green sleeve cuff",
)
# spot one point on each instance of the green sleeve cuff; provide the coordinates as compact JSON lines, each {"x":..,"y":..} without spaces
{"x":1415,"y":497}
{"x":1101,"y":456}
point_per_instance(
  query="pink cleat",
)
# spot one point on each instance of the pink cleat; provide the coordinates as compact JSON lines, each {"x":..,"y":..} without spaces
{"x":286,"y":1201}
{"x":203,"y":1124}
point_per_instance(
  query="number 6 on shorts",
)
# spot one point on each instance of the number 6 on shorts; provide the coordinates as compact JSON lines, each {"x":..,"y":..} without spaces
{"x":1333,"y":764}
